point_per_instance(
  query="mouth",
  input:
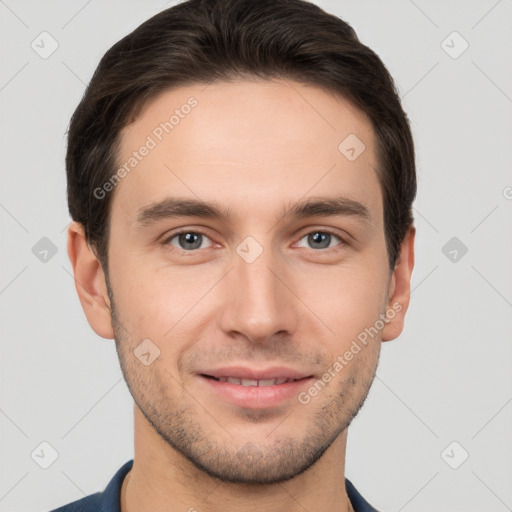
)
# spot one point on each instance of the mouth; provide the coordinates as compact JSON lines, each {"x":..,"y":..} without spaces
{"x":255,"y":389}
{"x":252,"y":382}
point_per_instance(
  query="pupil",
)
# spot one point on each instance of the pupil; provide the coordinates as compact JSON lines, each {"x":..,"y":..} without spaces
{"x":190,"y":241}
{"x":321,"y":240}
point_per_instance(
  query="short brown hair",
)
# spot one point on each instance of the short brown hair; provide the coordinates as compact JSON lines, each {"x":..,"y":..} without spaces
{"x":201,"y":41}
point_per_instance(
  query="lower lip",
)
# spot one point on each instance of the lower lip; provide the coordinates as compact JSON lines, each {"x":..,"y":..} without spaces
{"x":257,"y":397}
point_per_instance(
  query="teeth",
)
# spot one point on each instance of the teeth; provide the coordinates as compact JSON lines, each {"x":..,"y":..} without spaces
{"x":254,"y":382}
{"x":248,"y":382}
{"x":266,"y":382}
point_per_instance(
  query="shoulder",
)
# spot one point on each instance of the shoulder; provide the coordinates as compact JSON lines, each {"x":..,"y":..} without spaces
{"x":358,"y":502}
{"x":90,"y":503}
{"x":106,"y":501}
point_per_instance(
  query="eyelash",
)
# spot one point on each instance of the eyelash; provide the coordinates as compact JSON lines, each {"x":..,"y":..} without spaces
{"x":167,"y":240}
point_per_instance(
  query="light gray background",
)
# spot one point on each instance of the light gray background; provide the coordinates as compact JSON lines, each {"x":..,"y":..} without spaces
{"x":447,"y":378}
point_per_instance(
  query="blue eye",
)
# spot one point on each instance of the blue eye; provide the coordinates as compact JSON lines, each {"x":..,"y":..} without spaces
{"x":320,"y":240}
{"x":192,"y":240}
{"x":188,"y":240}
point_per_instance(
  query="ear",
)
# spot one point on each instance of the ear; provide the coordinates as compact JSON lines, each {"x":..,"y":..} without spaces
{"x":400,"y":288}
{"x":89,"y":282}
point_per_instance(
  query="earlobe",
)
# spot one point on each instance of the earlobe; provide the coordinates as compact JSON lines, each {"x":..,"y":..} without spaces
{"x":400,"y":288}
{"x":89,"y":282}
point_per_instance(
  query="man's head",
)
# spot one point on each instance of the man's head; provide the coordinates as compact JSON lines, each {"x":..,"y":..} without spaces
{"x":244,"y":174}
{"x":202,"y":41}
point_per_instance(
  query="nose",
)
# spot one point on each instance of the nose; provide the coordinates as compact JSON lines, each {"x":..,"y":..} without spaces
{"x":259,"y":304}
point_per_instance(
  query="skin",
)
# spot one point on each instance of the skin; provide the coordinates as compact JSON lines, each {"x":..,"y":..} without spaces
{"x":256,"y":147}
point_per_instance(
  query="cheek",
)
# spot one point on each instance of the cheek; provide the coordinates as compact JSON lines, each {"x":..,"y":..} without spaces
{"x":152,"y":299}
{"x":351,"y":304}
{"x":348,"y":298}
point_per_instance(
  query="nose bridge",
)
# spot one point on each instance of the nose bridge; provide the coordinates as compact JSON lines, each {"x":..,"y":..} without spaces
{"x":258,"y":305}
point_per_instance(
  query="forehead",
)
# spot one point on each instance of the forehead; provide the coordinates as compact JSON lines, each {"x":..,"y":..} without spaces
{"x":247,"y":143}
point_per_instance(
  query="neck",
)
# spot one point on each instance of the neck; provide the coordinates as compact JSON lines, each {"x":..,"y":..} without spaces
{"x":161,"y":479}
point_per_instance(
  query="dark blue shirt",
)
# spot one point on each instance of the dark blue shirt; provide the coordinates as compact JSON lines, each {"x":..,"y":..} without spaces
{"x":108,"y":500}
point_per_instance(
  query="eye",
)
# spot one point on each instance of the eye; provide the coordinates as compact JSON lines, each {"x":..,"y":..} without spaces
{"x":189,"y":240}
{"x":320,"y":240}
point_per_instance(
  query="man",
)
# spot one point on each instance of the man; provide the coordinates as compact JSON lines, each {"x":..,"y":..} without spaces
{"x":241,"y":177}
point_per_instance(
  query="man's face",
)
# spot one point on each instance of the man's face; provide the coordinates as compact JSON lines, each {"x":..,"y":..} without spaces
{"x":259,"y":294}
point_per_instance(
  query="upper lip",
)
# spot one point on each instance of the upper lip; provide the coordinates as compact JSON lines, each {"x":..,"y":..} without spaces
{"x":241,"y":372}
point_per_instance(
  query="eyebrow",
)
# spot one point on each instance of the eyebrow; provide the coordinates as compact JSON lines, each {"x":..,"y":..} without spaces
{"x":310,"y":207}
{"x":329,"y":207}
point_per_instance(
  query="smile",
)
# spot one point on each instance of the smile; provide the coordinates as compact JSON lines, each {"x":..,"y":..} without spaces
{"x":252,"y":382}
